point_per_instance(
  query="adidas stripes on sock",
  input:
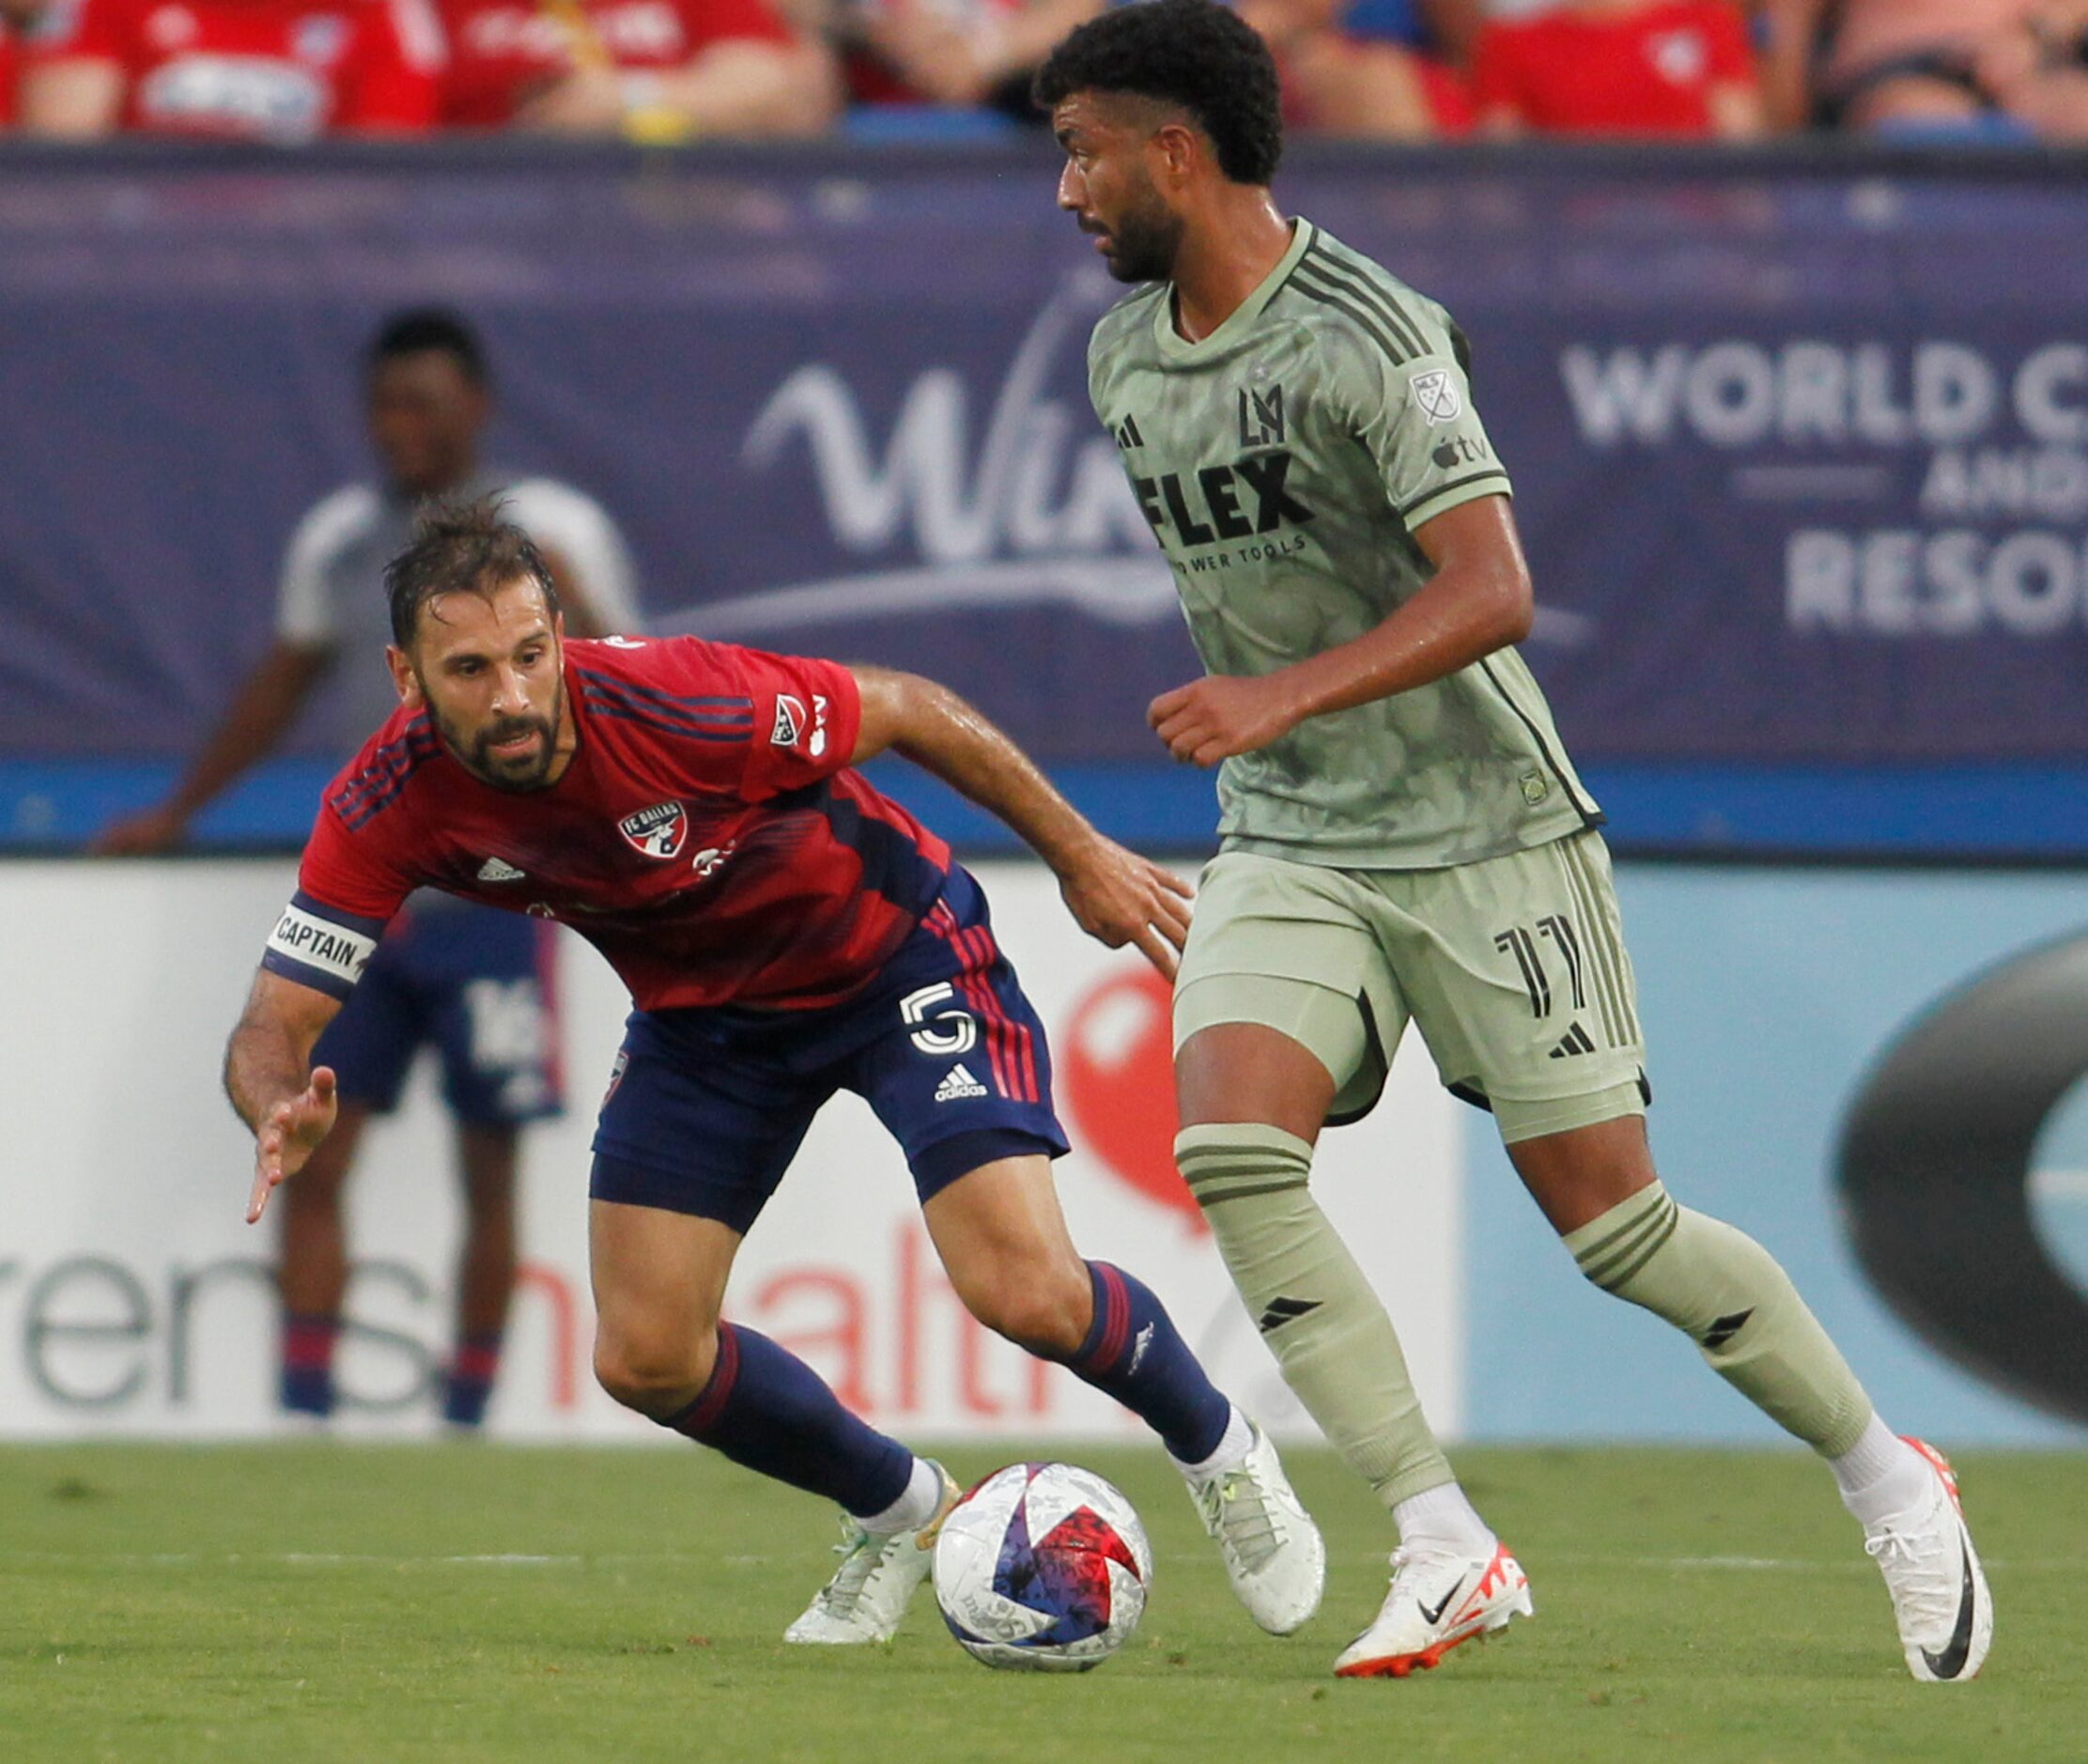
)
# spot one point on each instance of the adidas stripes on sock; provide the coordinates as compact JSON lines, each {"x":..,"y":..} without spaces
{"x":1727,"y":1294}
{"x":1327,"y":1328}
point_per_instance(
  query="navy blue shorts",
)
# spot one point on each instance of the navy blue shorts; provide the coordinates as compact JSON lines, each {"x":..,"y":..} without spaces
{"x":707,"y":1106}
{"x":476,"y":984}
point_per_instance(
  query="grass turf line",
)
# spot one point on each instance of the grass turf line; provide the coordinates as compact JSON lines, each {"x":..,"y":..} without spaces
{"x":471,"y":1603}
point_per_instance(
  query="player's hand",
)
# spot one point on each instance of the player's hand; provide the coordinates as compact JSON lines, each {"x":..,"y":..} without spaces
{"x":1118,"y":897}
{"x":141,"y":835}
{"x":1221,"y":715}
{"x":288,"y":1133}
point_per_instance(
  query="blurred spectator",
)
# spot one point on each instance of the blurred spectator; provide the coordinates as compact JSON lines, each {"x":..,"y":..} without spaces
{"x":957,"y":54}
{"x":1975,"y":66}
{"x":1620,"y":68}
{"x":1370,"y":70}
{"x":658,"y":70}
{"x":16,"y":17}
{"x":278,"y":70}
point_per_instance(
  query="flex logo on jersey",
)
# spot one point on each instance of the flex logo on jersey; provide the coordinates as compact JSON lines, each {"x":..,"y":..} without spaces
{"x":1214,"y":503}
{"x":1261,"y":417}
{"x":656,"y":831}
{"x":793,"y":724}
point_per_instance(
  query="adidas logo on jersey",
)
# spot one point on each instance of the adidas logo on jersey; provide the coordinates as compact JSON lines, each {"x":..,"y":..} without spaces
{"x":497,"y":869}
{"x":1574,"y":1041}
{"x":958,"y":1084}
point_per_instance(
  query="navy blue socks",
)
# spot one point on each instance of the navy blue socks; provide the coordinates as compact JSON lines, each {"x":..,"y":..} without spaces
{"x":764,"y":1408}
{"x":1134,"y":1353}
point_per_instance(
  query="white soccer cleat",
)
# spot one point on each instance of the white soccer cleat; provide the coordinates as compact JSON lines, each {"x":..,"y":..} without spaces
{"x":1273,"y":1551}
{"x":1940,"y":1597}
{"x":1437,"y":1602}
{"x":867,"y":1597}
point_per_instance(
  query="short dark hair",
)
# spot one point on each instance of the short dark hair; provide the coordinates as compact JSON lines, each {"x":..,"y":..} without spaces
{"x":420,"y":330}
{"x":461,"y":548}
{"x":1191,"y":53}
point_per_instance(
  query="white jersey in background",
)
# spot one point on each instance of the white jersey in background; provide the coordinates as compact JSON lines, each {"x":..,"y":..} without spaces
{"x":331,"y":593}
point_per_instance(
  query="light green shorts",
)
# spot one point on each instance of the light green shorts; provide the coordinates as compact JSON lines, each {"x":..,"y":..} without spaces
{"x":1513,"y":969}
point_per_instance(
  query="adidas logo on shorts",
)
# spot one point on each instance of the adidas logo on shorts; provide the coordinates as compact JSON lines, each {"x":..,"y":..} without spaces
{"x":497,"y":869}
{"x":958,"y":1084}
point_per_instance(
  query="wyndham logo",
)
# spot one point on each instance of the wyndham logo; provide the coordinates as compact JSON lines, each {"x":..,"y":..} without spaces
{"x":656,"y":831}
{"x":1033,"y":512}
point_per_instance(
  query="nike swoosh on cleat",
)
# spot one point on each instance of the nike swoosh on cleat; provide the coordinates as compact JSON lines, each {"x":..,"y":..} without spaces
{"x":1443,"y":1605}
{"x":1951,"y":1661}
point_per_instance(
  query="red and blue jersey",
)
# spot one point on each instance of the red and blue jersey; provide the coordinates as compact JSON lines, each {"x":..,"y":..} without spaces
{"x":707,"y":836}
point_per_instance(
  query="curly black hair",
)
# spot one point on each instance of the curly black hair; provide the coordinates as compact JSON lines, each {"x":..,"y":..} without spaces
{"x":1191,"y":53}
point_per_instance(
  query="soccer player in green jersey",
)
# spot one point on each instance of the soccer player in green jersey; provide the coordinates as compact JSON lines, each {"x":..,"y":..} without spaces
{"x":1403,"y":835}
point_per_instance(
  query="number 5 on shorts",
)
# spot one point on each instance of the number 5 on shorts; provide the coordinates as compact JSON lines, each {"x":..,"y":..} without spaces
{"x":957,"y":1031}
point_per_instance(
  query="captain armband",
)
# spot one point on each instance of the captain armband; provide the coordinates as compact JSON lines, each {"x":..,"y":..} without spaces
{"x":319,"y":947}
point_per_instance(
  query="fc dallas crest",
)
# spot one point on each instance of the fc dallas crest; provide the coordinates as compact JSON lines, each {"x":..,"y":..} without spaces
{"x":656,"y":831}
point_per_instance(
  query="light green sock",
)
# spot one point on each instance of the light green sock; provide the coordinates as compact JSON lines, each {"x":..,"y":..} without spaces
{"x":1326,"y":1328}
{"x":1723,"y":1290}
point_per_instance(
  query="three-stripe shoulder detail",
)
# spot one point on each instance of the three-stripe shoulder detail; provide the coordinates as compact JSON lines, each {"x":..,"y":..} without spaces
{"x":1348,"y":290}
{"x":722,"y":717}
{"x":382,"y":780}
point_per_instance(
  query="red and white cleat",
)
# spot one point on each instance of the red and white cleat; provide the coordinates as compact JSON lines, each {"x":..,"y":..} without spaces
{"x":1436,"y":1602}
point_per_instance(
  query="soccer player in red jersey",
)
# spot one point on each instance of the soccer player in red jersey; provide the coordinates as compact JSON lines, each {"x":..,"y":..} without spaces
{"x":1620,"y":67}
{"x":655,"y":69}
{"x":278,"y":70}
{"x":692,"y":810}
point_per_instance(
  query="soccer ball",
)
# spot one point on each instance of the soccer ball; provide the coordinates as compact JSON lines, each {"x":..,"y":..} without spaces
{"x":1044,"y":1568}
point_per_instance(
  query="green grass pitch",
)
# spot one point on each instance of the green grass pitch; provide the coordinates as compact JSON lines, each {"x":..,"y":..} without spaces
{"x":462,"y":1601}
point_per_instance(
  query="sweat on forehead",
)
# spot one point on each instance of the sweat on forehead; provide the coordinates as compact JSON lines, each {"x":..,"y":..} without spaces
{"x":441,"y":606}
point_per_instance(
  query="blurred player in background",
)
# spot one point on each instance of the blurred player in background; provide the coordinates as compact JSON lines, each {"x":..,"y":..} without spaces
{"x":786,"y":932}
{"x":475,"y":984}
{"x":655,"y":70}
{"x":1403,"y":837}
{"x":285,"y":71}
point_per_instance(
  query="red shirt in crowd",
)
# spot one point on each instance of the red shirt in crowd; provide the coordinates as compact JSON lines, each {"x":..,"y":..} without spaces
{"x":1648,"y":71}
{"x":10,"y":71}
{"x":501,"y":51}
{"x":708,"y":835}
{"x":281,"y":70}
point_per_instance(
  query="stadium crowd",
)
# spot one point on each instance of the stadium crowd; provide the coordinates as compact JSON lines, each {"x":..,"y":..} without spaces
{"x":291,"y":71}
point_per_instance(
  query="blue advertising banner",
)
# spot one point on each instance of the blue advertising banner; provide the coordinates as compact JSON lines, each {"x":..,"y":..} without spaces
{"x":1801,"y":447}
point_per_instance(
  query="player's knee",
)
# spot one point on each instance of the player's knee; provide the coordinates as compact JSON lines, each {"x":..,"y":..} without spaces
{"x":1046,"y":1310}
{"x":650,"y":1372}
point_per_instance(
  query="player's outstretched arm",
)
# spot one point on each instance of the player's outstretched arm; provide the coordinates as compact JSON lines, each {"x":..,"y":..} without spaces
{"x":268,"y":700}
{"x":1115,"y":895}
{"x":289,"y":1109}
{"x":1477,"y":601}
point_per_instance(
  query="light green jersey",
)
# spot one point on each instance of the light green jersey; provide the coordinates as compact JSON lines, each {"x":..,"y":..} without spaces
{"x":1284,"y":463}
